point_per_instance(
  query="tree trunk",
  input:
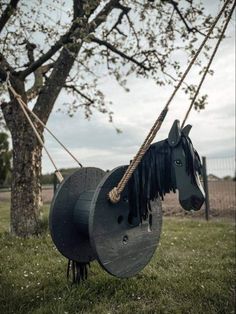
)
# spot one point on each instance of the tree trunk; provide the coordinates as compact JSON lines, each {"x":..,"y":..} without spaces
{"x":26,"y":186}
{"x":26,"y":172}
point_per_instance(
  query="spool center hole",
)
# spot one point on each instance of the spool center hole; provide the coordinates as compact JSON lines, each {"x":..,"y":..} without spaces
{"x":120,"y":219}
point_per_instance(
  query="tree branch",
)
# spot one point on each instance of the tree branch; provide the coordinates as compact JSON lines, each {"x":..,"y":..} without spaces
{"x":30,"y":51}
{"x":77,"y":8}
{"x":68,"y":37}
{"x":176,"y":8}
{"x":46,"y":56}
{"x":124,"y":11}
{"x":102,"y":15}
{"x":62,"y":66}
{"x":133,"y":29}
{"x":75,"y":89}
{"x":38,"y":81}
{"x":6,"y":15}
{"x":4,"y":67}
{"x":65,"y":61}
{"x":120,"y":53}
{"x":38,"y":73}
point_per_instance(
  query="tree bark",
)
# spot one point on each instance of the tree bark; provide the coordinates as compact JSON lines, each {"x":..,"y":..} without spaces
{"x":26,"y":172}
{"x":26,"y":186}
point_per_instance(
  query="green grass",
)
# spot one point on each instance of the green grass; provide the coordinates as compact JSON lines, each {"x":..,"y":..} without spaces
{"x":4,"y":217}
{"x":191,"y":272}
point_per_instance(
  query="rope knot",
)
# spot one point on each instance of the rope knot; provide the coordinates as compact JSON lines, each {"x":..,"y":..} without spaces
{"x":114,"y":195}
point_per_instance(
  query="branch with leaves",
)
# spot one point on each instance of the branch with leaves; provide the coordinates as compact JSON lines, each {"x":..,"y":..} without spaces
{"x":120,"y":53}
{"x":7,"y":13}
{"x":75,"y":89}
{"x":182,"y":18}
{"x":76,"y":46}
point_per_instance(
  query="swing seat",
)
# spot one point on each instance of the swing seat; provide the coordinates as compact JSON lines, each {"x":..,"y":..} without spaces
{"x":85,"y":226}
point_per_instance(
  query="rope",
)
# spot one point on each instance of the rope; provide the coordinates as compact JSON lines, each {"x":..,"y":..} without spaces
{"x":22,"y":105}
{"x":114,"y":194}
{"x":63,"y":146}
{"x":209,"y":64}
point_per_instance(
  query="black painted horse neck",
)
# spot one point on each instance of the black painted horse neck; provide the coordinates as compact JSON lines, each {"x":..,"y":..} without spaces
{"x":167,"y":165}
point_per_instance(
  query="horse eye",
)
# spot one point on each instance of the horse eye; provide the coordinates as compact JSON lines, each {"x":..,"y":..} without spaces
{"x":178,"y":163}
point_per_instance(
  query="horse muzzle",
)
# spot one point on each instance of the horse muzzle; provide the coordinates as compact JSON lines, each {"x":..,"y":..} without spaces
{"x":194,"y":202}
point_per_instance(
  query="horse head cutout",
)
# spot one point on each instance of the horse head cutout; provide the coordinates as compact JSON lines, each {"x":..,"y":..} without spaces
{"x":187,"y":168}
{"x":169,"y":165}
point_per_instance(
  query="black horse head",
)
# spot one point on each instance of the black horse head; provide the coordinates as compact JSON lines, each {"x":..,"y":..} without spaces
{"x":167,"y":165}
{"x":187,"y":167}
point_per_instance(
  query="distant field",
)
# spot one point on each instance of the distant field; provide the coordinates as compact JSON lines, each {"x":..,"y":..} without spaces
{"x":222,"y":195}
{"x":222,"y":200}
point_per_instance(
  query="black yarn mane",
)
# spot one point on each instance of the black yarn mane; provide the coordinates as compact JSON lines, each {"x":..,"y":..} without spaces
{"x":154,"y":176}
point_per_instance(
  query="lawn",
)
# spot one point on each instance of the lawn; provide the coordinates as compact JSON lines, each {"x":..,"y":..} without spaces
{"x":193,"y":271}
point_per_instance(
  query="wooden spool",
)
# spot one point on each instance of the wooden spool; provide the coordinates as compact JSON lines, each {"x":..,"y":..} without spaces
{"x":86,"y":226}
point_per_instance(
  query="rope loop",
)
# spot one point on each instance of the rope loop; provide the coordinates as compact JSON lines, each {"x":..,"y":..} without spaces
{"x":114,"y":195}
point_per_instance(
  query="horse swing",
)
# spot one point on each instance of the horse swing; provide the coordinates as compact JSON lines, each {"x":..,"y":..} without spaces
{"x":85,"y":225}
{"x":116,"y":217}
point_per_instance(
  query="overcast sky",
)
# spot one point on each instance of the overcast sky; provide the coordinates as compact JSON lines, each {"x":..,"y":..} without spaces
{"x":96,"y":143}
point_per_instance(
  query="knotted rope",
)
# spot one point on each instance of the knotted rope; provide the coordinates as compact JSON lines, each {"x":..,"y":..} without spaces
{"x":114,"y":194}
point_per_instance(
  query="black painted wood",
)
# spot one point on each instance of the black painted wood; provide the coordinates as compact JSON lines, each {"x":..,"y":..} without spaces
{"x":191,"y":196}
{"x":72,"y":242}
{"x":121,"y":249}
{"x":85,"y":225}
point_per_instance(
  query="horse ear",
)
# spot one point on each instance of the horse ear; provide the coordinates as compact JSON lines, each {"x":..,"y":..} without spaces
{"x":174,"y":134}
{"x":186,"y":129}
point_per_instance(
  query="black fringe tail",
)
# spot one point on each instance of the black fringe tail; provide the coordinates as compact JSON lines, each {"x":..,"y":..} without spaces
{"x":78,"y":270}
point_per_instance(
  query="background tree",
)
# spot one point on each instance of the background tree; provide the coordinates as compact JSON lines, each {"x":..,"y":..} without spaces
{"x":48,"y":46}
{"x":5,"y":158}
